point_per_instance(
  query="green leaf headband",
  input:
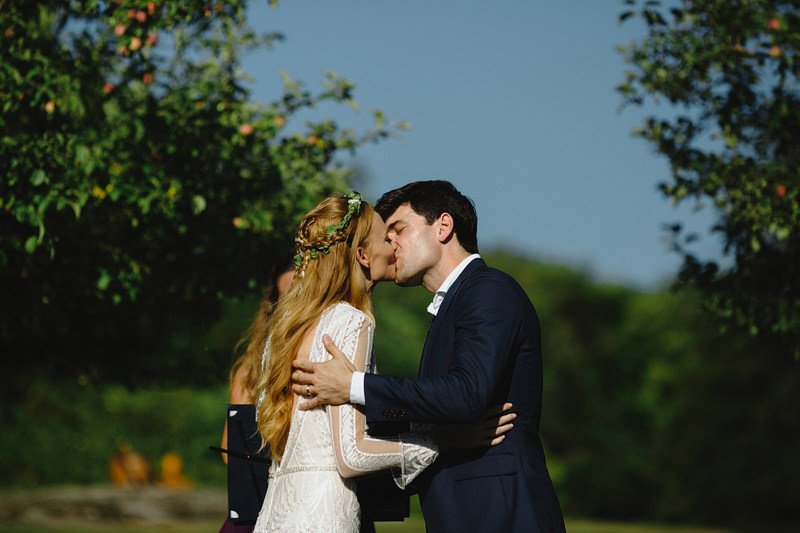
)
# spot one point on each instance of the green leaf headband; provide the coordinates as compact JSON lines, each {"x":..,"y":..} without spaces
{"x":353,"y":207}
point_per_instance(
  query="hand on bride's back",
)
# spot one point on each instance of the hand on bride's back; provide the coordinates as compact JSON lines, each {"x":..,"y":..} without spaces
{"x":488,"y":430}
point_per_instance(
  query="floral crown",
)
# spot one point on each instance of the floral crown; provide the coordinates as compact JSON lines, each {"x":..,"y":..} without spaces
{"x":310,"y":250}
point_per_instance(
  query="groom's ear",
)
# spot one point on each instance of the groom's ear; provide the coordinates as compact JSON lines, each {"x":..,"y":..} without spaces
{"x":446,"y":225}
{"x":361,"y":257}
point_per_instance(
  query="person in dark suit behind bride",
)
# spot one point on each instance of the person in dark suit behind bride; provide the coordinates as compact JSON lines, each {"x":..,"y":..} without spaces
{"x":246,"y":370}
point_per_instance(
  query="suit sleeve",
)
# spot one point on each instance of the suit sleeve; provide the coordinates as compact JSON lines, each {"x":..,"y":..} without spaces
{"x":487,"y":318}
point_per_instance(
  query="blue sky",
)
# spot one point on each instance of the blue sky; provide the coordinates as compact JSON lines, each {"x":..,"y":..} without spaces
{"x":513,"y":101}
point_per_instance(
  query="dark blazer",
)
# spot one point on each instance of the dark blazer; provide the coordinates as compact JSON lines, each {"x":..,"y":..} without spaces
{"x":483,"y":349}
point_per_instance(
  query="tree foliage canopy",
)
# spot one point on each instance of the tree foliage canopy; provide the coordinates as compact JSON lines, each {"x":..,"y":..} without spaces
{"x":729,"y":69}
{"x":141,"y":185}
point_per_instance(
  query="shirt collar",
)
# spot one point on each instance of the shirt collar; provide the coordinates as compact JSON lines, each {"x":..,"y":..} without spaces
{"x":438,"y":297}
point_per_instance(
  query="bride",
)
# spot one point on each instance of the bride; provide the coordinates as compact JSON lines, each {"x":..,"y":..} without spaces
{"x":342,"y":254}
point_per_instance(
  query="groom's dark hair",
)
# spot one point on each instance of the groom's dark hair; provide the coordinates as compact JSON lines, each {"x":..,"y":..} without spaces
{"x":432,"y":198}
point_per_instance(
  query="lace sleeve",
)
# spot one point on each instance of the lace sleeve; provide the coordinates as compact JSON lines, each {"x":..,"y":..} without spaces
{"x":357,"y":453}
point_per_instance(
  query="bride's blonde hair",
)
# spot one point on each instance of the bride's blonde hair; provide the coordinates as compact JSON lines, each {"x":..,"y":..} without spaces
{"x":323,"y":278}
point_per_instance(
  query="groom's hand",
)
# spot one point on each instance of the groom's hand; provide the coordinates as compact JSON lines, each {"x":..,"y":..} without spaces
{"x":323,"y":383}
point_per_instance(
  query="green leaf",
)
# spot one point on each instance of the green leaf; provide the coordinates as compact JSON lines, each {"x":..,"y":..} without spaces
{"x":198,"y":204}
{"x":31,"y":243}
{"x":103,"y":281}
{"x":76,"y":209}
{"x":380,"y":117}
{"x":38,"y":177}
{"x":782,"y":233}
{"x":83,"y":157}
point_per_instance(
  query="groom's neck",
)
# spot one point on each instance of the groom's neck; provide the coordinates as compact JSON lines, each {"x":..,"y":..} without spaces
{"x":451,"y":258}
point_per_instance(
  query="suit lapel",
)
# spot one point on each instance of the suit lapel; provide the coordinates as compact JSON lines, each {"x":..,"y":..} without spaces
{"x":428,"y":357}
{"x":424,"y":362}
{"x":451,"y":293}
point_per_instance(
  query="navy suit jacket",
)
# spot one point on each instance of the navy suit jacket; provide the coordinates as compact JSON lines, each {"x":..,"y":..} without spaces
{"x":483,"y":349}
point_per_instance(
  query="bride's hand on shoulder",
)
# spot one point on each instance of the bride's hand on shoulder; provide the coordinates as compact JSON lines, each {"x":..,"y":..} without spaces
{"x":489,"y":430}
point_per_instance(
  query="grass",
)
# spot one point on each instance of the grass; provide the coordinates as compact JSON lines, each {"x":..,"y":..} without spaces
{"x":593,"y":526}
{"x":415,"y":524}
{"x":40,"y":523}
{"x":83,"y":527}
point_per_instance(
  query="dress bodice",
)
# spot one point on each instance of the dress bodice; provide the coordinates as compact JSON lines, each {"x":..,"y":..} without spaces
{"x":311,"y":487}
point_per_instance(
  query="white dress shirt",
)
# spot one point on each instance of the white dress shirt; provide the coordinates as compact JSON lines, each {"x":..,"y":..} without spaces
{"x":357,"y":395}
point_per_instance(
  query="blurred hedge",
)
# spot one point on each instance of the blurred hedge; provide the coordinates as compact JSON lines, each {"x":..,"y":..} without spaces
{"x":650,"y":411}
{"x":66,"y":432}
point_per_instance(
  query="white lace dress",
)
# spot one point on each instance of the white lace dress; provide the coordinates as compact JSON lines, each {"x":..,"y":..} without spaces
{"x":312,"y":488}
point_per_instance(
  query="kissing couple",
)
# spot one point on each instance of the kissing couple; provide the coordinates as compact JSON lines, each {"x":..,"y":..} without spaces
{"x":317,"y":394}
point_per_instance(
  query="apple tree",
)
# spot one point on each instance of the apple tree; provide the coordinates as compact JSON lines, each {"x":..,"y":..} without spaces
{"x":726,"y":75}
{"x":141,"y":184}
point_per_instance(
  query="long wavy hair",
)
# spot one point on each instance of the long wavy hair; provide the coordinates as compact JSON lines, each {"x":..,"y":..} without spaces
{"x":251,"y":345}
{"x":322,"y":280}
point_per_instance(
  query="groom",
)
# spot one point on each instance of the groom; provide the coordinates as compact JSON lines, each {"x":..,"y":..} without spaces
{"x":483,"y":349}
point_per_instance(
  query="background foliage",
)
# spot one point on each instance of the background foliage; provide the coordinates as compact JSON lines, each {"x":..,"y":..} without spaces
{"x":649,"y":412}
{"x":141,"y":186}
{"x":729,"y":71}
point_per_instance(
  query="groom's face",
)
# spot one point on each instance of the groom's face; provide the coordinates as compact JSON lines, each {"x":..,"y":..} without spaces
{"x":416,"y":246}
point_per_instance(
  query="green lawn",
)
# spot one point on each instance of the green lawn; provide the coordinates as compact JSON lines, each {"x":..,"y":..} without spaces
{"x":203,"y":502}
{"x":83,"y":527}
{"x":414,"y":524}
{"x":593,"y":526}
